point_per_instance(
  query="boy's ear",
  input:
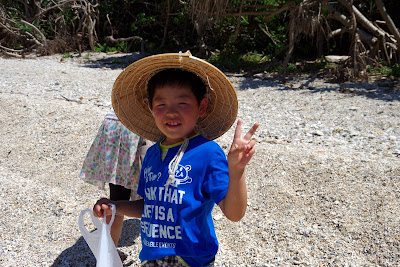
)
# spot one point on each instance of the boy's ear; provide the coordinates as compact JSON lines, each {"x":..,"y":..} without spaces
{"x":203,"y":107}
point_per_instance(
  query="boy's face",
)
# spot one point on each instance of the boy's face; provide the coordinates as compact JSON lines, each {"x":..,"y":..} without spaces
{"x":176,"y":111}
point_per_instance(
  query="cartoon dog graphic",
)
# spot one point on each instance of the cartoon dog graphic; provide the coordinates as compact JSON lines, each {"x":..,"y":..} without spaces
{"x":181,"y":176}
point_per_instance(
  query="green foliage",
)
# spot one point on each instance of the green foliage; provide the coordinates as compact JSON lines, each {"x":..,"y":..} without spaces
{"x":301,"y":67}
{"x":122,"y":46}
{"x":100,"y":47}
{"x":179,"y":19}
{"x":227,"y":60}
{"x":142,"y":20}
{"x":254,"y":57}
{"x":291,"y":68}
{"x":396,"y":70}
{"x":231,"y":60}
{"x":25,"y":28}
{"x":274,"y":68}
{"x":67,"y":55}
{"x":381,"y":70}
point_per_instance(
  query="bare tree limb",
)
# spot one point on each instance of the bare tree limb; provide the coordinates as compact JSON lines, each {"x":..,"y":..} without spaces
{"x":238,"y":23}
{"x":109,"y":21}
{"x":11,"y":54}
{"x":337,"y":32}
{"x":111,"y":39}
{"x":367,"y":24}
{"x":13,"y":50}
{"x":17,"y":11}
{"x":389,"y":22}
{"x":292,"y":40}
{"x":365,"y":37}
{"x":60,"y":4}
{"x":166,"y":24}
{"x":267,"y":33}
{"x":36,"y":30}
{"x":280,"y":10}
{"x":252,"y":7}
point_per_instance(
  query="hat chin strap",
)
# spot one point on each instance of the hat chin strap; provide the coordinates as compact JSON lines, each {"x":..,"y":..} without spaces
{"x":173,"y":165}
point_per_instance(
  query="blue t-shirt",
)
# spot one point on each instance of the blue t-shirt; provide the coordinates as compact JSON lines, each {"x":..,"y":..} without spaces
{"x":177,"y":219}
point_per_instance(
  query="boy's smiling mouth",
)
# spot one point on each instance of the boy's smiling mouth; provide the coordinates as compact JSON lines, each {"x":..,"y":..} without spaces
{"x":173,"y":123}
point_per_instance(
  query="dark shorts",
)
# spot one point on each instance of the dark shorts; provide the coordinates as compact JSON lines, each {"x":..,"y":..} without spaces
{"x":169,"y":261}
{"x":118,"y":192}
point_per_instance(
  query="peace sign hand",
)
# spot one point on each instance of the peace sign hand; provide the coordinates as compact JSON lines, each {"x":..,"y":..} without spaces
{"x":242,"y":149}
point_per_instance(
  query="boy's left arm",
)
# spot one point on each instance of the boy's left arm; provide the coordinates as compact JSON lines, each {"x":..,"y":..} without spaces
{"x":242,"y":149}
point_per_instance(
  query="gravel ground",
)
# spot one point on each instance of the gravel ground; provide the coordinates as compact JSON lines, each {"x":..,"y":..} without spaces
{"x":323,"y":186}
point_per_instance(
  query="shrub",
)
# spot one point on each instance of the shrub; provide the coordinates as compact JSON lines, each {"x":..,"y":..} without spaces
{"x":396,"y":70}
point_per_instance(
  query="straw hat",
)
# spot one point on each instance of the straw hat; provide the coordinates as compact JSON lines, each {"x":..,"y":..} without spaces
{"x":130,"y":103}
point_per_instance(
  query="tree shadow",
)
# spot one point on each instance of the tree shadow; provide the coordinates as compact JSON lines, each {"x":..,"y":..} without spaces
{"x":385,"y":90}
{"x":117,"y":61}
{"x":251,"y":83}
{"x":80,"y":255}
{"x":380,"y":90}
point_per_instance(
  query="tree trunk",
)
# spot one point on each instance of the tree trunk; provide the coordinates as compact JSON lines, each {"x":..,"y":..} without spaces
{"x":166,"y":24}
{"x":389,"y":22}
{"x":238,"y":23}
{"x":292,"y":39}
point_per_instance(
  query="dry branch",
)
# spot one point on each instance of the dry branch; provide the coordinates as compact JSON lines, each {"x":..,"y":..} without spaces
{"x":37,"y":13}
{"x":367,"y":24}
{"x":238,"y":22}
{"x":389,"y":22}
{"x":371,"y":35}
{"x":111,"y":39}
{"x":280,"y":10}
{"x":42,"y":37}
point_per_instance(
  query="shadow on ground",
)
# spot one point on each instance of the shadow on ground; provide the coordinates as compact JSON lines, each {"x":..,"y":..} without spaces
{"x":116,"y":61}
{"x":385,"y":89}
{"x":80,"y":255}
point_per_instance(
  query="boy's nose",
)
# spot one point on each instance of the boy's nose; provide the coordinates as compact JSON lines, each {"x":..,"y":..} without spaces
{"x":171,"y":111}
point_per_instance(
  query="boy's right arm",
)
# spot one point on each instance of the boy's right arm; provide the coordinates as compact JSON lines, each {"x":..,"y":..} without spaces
{"x":124,"y":207}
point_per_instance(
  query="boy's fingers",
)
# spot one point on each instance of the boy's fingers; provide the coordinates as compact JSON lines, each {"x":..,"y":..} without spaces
{"x":100,"y":206}
{"x":252,"y":142}
{"x":238,"y":130}
{"x":237,"y":149}
{"x":97,"y":210}
{"x":250,"y":147}
{"x":252,"y":131}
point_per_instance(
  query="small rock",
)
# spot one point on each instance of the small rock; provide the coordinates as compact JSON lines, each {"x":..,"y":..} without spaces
{"x":317,"y":132}
{"x":336,"y":59}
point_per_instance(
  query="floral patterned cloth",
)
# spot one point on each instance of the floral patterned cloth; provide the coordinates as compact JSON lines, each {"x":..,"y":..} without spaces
{"x":113,"y":158}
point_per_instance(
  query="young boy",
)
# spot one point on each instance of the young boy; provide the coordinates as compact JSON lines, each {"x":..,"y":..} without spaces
{"x":185,"y":173}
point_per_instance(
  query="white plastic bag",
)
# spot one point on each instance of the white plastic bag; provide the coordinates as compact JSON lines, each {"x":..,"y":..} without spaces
{"x":100,"y":241}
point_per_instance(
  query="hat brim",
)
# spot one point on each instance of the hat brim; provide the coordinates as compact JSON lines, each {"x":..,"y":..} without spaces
{"x":130,"y":103}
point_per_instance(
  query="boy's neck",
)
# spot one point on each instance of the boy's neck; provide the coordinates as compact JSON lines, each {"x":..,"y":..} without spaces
{"x":169,"y":142}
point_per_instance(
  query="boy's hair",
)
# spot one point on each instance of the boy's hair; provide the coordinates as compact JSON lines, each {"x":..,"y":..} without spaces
{"x":179,"y":78}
